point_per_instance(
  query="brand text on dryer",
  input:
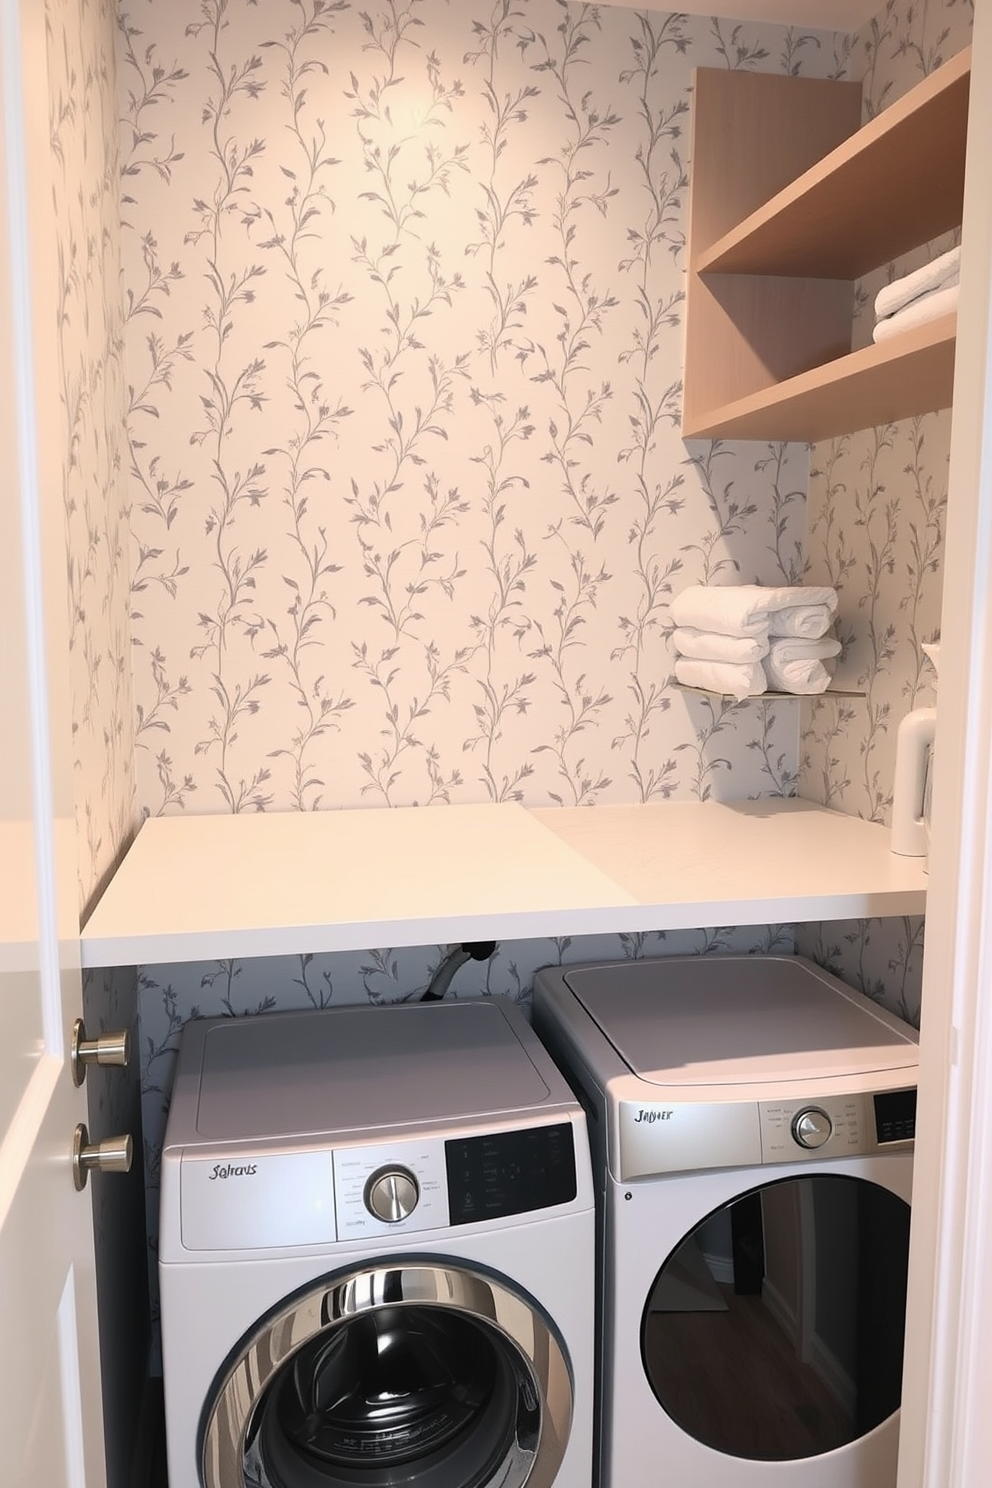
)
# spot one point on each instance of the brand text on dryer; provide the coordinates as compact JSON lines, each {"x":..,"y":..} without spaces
{"x":228,"y":1170}
{"x":650,"y":1116}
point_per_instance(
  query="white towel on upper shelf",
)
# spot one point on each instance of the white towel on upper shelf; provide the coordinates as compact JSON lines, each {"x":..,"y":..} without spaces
{"x":710,"y":645}
{"x":738,"y":679}
{"x":801,"y":666}
{"x":756,"y":609}
{"x":918,"y":312}
{"x":940,"y":273}
{"x":806,"y":622}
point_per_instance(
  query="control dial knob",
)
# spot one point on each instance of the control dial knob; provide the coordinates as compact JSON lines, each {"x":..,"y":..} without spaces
{"x":812,"y":1127}
{"x":391,"y":1194}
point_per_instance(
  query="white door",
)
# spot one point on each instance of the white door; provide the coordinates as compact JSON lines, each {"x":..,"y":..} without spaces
{"x":946,"y":1439}
{"x":50,"y":1406}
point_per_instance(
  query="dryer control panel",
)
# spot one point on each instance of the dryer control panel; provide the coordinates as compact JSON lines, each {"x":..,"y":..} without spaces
{"x":835,"y":1127}
{"x":686,"y":1136}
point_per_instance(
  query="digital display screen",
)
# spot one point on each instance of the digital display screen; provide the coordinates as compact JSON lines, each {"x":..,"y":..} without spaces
{"x":506,"y":1173}
{"x":895,"y":1116}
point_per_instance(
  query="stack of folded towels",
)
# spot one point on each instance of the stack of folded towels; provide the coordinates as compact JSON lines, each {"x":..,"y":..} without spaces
{"x":918,"y":297}
{"x":745,"y":639}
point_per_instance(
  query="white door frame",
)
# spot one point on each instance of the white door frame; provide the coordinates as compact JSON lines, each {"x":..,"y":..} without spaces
{"x":946,"y":1434}
{"x":51,"y":1420}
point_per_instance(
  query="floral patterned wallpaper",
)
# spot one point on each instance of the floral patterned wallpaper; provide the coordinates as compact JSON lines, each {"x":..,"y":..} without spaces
{"x":92,"y":398}
{"x":404,"y":291}
{"x":903,"y":43}
{"x":86,"y":223}
{"x":875,"y":530}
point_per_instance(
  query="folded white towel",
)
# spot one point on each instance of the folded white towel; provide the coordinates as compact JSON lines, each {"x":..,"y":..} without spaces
{"x":800,"y":677}
{"x":738,"y":679}
{"x":750,"y":609}
{"x":938,"y":274}
{"x":801,"y":666}
{"x":807,"y":622}
{"x":918,"y":312}
{"x":710,"y":645}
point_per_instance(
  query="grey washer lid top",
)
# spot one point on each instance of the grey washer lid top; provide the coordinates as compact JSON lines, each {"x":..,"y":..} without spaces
{"x":309,"y":1073}
{"x":728,"y":1020}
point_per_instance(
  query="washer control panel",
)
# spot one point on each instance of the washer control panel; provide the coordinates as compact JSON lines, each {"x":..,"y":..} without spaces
{"x":392,"y":1194}
{"x":510,"y":1172}
{"x":379,"y":1190}
{"x":467,"y":1179}
{"x":276,"y":1198}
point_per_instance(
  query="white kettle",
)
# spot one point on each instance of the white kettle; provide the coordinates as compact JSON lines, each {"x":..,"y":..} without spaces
{"x":914,"y":778}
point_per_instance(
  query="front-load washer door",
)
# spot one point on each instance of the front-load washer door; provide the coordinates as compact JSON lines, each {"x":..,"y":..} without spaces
{"x":406,"y":1375}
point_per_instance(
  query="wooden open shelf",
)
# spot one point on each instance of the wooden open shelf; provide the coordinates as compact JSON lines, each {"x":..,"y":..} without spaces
{"x":897,"y":182}
{"x":791,"y":200}
{"x":896,"y":379}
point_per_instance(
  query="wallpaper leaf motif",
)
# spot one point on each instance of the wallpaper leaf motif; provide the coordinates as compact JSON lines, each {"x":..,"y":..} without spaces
{"x":404,"y":294}
{"x":310,"y":607}
{"x":876,"y":512}
{"x":905,"y":42}
{"x":94,"y":484}
{"x":656,"y":498}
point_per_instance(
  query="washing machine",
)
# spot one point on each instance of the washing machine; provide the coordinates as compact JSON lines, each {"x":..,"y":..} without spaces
{"x":752,"y":1124}
{"x":377,"y":1254}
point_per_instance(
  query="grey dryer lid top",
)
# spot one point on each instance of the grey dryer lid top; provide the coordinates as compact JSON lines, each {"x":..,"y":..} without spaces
{"x":729,"y":1020}
{"x":290,"y":1074}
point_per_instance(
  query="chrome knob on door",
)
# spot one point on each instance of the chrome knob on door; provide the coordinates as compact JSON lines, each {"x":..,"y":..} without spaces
{"x":110,"y":1048}
{"x":112,"y":1155}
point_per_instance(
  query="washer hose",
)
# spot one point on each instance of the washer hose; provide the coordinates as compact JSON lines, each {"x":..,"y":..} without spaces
{"x":476,"y":950}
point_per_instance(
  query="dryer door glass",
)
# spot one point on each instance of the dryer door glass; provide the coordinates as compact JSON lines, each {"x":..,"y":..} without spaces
{"x":774,"y":1331}
{"x":414,"y":1375}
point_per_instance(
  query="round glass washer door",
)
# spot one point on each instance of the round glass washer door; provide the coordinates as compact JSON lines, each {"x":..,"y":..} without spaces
{"x":774,"y":1330}
{"x":400,"y":1376}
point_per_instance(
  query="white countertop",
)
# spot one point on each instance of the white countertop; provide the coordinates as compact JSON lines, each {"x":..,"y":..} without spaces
{"x":197,"y":888}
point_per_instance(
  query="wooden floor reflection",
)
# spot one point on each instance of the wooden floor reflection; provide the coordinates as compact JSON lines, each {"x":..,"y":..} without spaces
{"x":702,"y":1364}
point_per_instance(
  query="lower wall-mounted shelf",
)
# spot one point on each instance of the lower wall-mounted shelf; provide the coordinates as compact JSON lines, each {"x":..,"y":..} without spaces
{"x":910,"y":374}
{"x":200,"y":888}
{"x":770,"y":695}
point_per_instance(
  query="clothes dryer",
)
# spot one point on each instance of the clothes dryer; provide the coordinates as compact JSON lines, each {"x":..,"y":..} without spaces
{"x":376,"y":1254}
{"x":752,"y":1128}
